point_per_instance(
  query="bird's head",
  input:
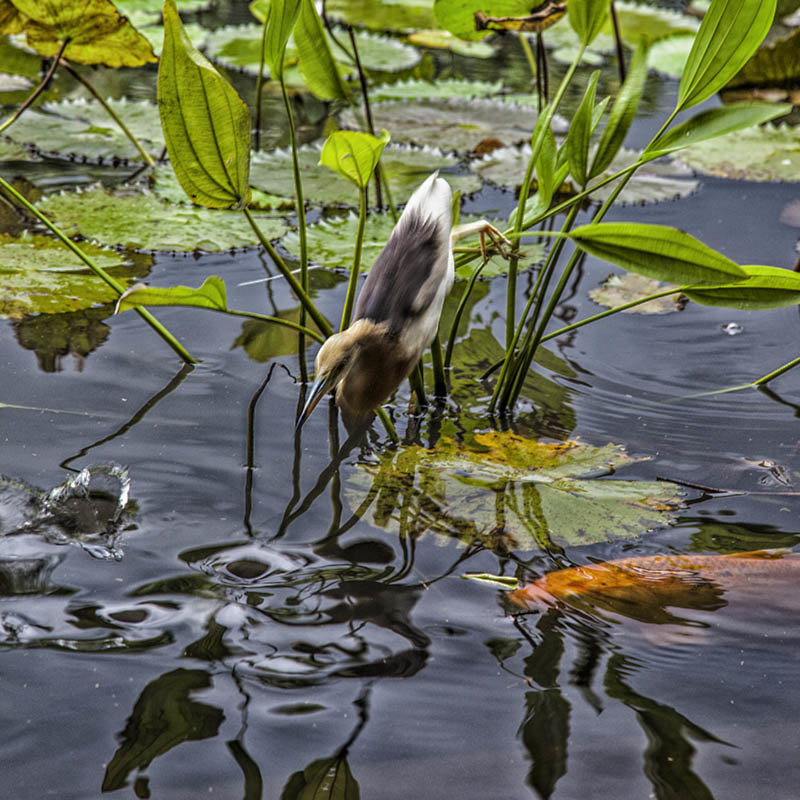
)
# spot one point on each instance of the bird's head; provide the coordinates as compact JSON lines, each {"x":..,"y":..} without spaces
{"x":334,"y":359}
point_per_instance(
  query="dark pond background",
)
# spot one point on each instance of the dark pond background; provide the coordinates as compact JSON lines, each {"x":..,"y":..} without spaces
{"x":244,"y":626}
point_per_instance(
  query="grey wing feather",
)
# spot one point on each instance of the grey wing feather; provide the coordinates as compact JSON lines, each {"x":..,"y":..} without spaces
{"x":398,"y":288}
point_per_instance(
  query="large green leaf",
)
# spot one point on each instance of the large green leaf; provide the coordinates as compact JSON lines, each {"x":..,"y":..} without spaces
{"x":715,"y":122}
{"x":458,"y":16}
{"x":656,"y":251}
{"x":383,"y":15}
{"x":510,"y":493}
{"x":282,"y":17}
{"x":211,"y":294}
{"x":580,"y":132}
{"x":206,"y":124}
{"x":97,"y":32}
{"x":764,"y":287}
{"x":730,"y":33}
{"x":38,"y":275}
{"x":353,"y":155}
{"x":317,"y":64}
{"x":587,"y":18}
{"x":141,"y":221}
{"x":775,"y":64}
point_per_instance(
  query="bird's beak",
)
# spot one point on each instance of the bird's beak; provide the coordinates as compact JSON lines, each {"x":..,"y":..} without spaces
{"x":322,"y":383}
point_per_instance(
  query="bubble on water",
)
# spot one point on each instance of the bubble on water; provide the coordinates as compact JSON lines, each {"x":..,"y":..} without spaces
{"x":733,"y":328}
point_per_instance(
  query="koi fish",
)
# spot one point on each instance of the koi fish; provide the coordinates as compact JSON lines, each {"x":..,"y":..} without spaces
{"x":644,"y":587}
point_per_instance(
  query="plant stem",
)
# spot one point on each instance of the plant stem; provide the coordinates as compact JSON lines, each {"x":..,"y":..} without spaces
{"x":260,"y":82}
{"x":38,"y":90}
{"x":287,"y":323}
{"x":526,"y":49}
{"x":301,"y":221}
{"x":380,"y":412}
{"x":618,"y":42}
{"x":350,"y":297}
{"x":302,"y":296}
{"x":462,"y":304}
{"x":100,"y":272}
{"x":110,"y":111}
{"x":774,"y":374}
{"x":439,"y":380}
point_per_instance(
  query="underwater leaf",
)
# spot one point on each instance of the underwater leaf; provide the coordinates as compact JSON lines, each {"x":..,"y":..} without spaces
{"x":282,"y":17}
{"x":405,"y":167}
{"x":97,"y":32}
{"x":141,"y":221}
{"x":716,"y":122}
{"x":444,"y":40}
{"x":656,"y":251}
{"x":617,"y":290}
{"x":587,"y":18}
{"x":511,"y":493}
{"x":38,"y":275}
{"x":766,"y":153}
{"x":455,"y":123}
{"x":775,"y":64}
{"x":323,"y":779}
{"x":353,"y":155}
{"x":317,"y":64}
{"x":210,"y":295}
{"x":426,"y":90}
{"x":729,"y":34}
{"x":81,"y":129}
{"x":206,"y":124}
{"x":764,"y":287}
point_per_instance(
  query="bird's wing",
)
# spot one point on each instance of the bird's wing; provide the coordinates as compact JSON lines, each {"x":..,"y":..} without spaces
{"x":413,"y":265}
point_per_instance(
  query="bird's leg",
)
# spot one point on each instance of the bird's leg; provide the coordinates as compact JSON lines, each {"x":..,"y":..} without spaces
{"x":483,"y":229}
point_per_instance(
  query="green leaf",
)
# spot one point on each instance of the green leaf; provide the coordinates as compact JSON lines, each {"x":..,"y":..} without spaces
{"x":713,"y":123}
{"x":317,"y":64}
{"x":546,"y":165}
{"x":38,"y":275}
{"x":656,"y":251}
{"x":206,"y":124}
{"x":353,"y":154}
{"x":323,"y":779}
{"x":587,"y":18}
{"x":669,"y":55}
{"x":210,"y":295}
{"x":141,"y":221}
{"x":97,"y":32}
{"x":774,"y":64}
{"x":580,"y":132}
{"x":766,"y":153}
{"x":764,"y":287}
{"x":282,"y":17}
{"x":730,"y":33}
{"x":622,"y":114}
{"x":402,"y":16}
{"x":426,"y":90}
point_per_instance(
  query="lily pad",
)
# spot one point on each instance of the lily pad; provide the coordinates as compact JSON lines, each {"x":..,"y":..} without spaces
{"x":619,"y":289}
{"x":382,"y":15}
{"x":38,"y":275}
{"x":155,"y":35}
{"x":444,"y":40}
{"x":405,"y":167}
{"x":152,"y":8}
{"x":653,"y":182}
{"x":668,"y":56}
{"x":239,"y":47}
{"x":143,"y":222}
{"x":506,"y":493}
{"x":456,"y":123}
{"x":83,"y":129}
{"x":767,"y":153}
{"x":425,"y":90}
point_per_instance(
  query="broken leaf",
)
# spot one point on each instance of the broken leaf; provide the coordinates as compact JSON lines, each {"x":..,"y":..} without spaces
{"x":617,"y":290}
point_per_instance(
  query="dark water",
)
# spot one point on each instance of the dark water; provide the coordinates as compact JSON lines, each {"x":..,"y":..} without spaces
{"x":251,"y":627}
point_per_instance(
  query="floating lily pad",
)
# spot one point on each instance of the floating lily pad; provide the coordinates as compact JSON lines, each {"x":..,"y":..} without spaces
{"x":405,"y":167}
{"x":39,"y":275}
{"x":767,"y":153}
{"x":652,"y":183}
{"x":83,"y":129}
{"x":668,"y":56}
{"x":454,"y":123}
{"x":382,"y":15}
{"x":510,"y":493}
{"x":239,"y":47}
{"x":155,"y":35}
{"x":619,"y":289}
{"x":141,"y":221}
{"x":444,"y":40}
{"x":423,"y":90}
{"x":152,"y":8}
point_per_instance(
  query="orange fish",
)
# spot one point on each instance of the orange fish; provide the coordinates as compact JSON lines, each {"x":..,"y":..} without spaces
{"x":643,"y":588}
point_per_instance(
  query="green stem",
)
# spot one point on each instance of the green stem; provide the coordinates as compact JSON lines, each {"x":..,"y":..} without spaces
{"x":417,"y":381}
{"x":774,"y":374}
{"x":301,"y":219}
{"x":110,"y":111}
{"x":38,"y":90}
{"x":260,"y":81}
{"x":287,"y":323}
{"x":350,"y":297}
{"x":462,"y":304}
{"x":439,"y":380}
{"x":526,"y":48}
{"x":100,"y":272}
{"x":302,"y":296}
{"x":380,"y":412}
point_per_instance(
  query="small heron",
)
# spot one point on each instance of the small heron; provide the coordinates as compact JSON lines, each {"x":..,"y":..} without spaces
{"x":397,"y":313}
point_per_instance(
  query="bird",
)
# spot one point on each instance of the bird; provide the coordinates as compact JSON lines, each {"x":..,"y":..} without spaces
{"x":397,"y":313}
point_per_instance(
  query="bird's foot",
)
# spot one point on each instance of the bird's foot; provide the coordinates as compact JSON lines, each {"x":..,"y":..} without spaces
{"x":484,"y":229}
